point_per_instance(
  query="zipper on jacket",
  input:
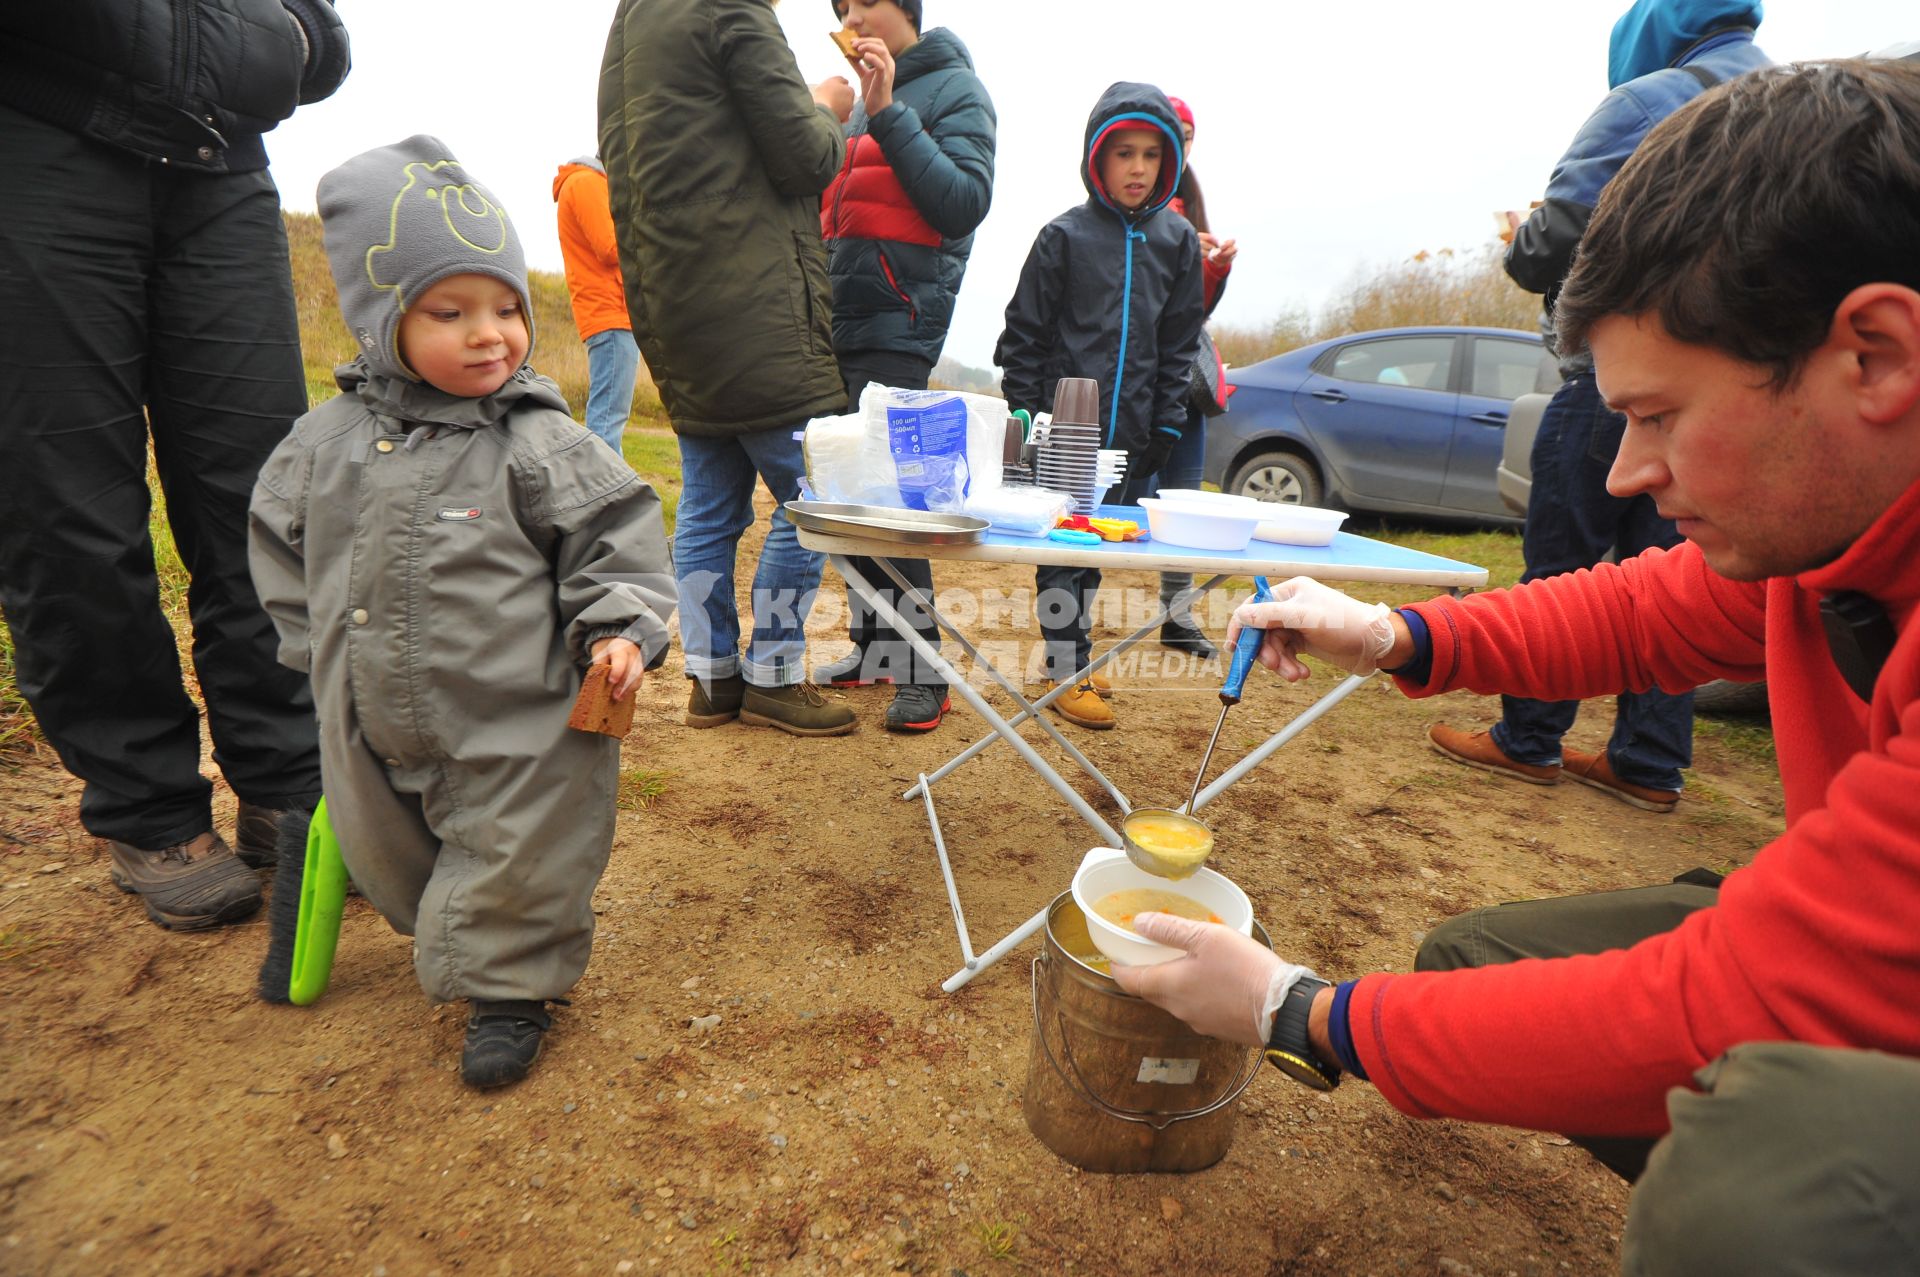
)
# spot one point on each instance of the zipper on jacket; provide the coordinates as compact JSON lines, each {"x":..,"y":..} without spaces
{"x":913,"y":312}
{"x":1126,"y":323}
{"x":840,"y":183}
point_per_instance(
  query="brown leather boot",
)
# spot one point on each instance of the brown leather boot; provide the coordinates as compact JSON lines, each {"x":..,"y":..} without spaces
{"x":1083,"y":706}
{"x":256,"y":835}
{"x":714,"y":702}
{"x":800,"y":709}
{"x":190,"y":886}
{"x":1597,"y":770}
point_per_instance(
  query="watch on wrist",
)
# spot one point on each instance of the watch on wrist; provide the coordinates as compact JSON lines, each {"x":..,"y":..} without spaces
{"x":1288,"y":1048}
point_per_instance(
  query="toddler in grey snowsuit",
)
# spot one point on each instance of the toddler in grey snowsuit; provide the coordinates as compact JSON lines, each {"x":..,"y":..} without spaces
{"x":445,"y":550}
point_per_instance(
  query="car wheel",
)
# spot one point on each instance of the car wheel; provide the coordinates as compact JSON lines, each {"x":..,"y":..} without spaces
{"x":1278,"y":476}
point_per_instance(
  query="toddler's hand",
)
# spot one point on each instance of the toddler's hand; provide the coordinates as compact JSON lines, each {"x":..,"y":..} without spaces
{"x":625,"y":666}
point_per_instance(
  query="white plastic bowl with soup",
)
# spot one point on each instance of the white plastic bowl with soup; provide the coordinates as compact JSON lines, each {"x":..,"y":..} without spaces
{"x":1109,"y":886}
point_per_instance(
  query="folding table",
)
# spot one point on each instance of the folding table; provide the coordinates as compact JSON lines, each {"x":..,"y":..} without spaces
{"x":1349,"y":558}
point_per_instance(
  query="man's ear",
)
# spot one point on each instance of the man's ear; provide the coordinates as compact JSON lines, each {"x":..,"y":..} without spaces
{"x":1878,"y":326}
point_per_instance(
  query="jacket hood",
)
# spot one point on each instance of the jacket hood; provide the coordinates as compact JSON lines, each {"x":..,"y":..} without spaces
{"x":1655,"y":34}
{"x":407,"y":399}
{"x":579,"y":164}
{"x":1127,"y":105}
{"x":397,"y":220}
{"x":937,"y":50}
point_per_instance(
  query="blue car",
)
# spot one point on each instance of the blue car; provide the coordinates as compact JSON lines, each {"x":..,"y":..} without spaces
{"x":1395,"y":421}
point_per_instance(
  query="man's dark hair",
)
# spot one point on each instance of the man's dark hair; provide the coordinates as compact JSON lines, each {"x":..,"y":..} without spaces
{"x":1745,"y":217}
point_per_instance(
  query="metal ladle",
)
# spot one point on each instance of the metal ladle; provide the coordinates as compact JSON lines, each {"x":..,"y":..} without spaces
{"x":1162,"y":863}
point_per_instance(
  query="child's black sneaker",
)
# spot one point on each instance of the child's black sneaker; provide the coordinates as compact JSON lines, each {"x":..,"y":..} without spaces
{"x":503,"y":1041}
{"x":918,"y":707}
{"x":849,"y":671}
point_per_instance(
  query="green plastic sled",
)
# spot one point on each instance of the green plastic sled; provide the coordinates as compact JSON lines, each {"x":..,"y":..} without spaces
{"x":323,"y":898}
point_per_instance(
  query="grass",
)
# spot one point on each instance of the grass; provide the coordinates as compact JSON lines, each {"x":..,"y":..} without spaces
{"x":640,"y":788}
{"x":655,"y":457}
{"x":1749,"y":741}
{"x":998,"y":1240}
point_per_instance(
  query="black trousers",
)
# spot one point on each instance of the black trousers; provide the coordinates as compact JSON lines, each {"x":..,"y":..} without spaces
{"x":884,"y":654}
{"x":137,"y":303}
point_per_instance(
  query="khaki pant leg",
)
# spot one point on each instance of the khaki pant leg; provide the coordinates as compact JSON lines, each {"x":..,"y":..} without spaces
{"x":1790,"y":1159}
{"x":1561,"y":928}
{"x":508,"y":912}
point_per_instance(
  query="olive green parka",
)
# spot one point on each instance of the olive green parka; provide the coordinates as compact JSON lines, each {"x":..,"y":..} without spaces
{"x":716,"y":157}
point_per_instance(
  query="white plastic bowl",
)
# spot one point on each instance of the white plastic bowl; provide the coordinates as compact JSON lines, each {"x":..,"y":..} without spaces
{"x":1298,"y":524}
{"x":1199,"y":526}
{"x":1105,"y":871}
{"x":1200,"y":496}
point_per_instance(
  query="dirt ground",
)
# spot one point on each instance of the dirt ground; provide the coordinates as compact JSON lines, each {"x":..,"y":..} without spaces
{"x":844,"y":1114}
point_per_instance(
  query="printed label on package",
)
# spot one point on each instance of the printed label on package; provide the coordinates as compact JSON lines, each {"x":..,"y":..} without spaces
{"x":929,"y":448}
{"x":1172,"y":1072}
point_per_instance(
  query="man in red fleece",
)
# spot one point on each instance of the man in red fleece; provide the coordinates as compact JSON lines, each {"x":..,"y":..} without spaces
{"x":1758,"y":322}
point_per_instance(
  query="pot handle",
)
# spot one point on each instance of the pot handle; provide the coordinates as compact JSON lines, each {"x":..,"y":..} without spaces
{"x":1082,"y":1088}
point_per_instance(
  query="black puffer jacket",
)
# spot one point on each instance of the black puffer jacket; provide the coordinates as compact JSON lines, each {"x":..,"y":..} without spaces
{"x":1111,"y":295}
{"x":900,"y":217}
{"x":189,"y":83}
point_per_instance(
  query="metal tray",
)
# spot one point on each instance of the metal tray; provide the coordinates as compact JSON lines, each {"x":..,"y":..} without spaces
{"x":882,"y":523}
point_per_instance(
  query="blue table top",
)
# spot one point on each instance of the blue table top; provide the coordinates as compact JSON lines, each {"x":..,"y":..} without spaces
{"x":1349,"y":558}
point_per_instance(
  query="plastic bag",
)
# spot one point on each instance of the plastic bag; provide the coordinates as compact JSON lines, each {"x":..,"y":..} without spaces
{"x":1020,"y":508}
{"x":911,"y":449}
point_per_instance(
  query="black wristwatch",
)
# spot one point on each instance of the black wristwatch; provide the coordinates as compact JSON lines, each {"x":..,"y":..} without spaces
{"x":1288,"y":1048}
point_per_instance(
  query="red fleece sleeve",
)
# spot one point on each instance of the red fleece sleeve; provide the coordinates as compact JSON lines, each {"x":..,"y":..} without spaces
{"x":1663,"y":618}
{"x":1814,"y":941}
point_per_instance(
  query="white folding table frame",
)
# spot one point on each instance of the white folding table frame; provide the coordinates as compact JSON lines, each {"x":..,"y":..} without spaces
{"x":1349,"y":558}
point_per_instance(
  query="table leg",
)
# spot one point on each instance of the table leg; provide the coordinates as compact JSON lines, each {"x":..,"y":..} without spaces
{"x":1279,"y":738}
{"x":958,"y":683}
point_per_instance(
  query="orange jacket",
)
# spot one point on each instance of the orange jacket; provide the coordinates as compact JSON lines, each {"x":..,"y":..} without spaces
{"x":587,"y":246}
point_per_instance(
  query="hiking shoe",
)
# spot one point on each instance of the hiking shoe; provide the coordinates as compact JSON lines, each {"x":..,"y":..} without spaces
{"x":1185,"y":636}
{"x":1083,"y":706}
{"x":503,"y":1041}
{"x":1477,"y":749}
{"x":798,"y":708}
{"x":848,"y":671}
{"x":1597,"y":771}
{"x":189,"y":886}
{"x":918,"y":707}
{"x":256,"y":835}
{"x":715,"y":701}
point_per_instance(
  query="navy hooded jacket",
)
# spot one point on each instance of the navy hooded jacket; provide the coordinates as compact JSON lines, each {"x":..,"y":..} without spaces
{"x":899,"y":219}
{"x":1110,"y":294}
{"x":1651,"y":44}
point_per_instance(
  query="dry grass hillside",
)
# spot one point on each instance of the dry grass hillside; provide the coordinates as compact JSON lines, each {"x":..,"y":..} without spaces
{"x":1443,"y":287}
{"x":325,"y":341}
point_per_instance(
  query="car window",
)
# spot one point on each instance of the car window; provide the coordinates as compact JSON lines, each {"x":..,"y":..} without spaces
{"x":1422,"y":362}
{"x":1505,"y":369}
{"x":1549,"y":379}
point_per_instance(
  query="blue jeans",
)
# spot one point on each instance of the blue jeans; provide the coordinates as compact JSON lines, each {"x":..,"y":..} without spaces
{"x":1572,"y":521}
{"x":613,"y":363}
{"x":716,"y":506}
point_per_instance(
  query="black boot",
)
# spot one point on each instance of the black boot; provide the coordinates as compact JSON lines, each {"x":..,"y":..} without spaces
{"x":1185,"y":636}
{"x":503,"y":1041}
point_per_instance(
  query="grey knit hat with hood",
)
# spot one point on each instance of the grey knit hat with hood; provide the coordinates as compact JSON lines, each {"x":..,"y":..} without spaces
{"x":398,"y":220}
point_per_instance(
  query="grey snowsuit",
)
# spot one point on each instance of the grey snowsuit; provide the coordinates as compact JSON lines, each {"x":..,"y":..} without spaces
{"x":440,"y":566}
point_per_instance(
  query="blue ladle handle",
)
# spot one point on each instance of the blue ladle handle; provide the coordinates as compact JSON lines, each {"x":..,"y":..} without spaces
{"x":1245,"y":648}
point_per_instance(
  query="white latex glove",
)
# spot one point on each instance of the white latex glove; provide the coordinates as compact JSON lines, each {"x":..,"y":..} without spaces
{"x":1306,"y":616}
{"x":1228,"y":986}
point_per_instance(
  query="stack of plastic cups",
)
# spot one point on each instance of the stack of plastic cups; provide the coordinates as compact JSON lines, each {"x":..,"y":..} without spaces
{"x":1069,"y":457}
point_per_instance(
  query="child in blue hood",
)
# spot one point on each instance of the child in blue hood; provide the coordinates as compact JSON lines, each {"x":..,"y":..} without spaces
{"x":1111,"y":290}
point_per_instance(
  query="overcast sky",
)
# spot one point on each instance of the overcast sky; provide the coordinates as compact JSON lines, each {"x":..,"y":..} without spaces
{"x":1330,"y":137}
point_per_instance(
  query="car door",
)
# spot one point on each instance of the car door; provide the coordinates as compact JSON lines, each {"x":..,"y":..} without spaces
{"x":1499,"y":370}
{"x":1381,"y":411}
